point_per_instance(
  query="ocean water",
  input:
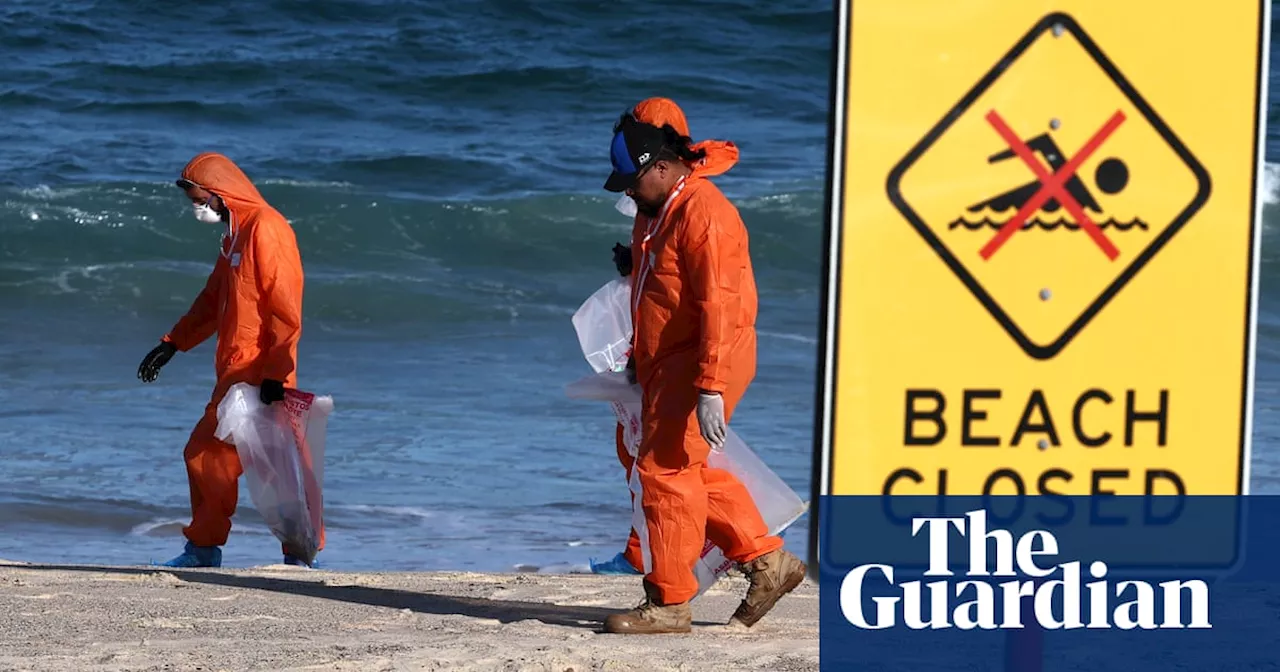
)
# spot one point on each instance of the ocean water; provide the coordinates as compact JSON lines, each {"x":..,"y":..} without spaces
{"x":442,"y":165}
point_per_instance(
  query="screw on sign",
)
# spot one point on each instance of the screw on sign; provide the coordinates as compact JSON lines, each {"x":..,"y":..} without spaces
{"x":1130,"y":186}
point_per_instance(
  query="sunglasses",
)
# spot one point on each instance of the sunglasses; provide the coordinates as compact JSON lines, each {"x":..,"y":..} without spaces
{"x":184,"y":183}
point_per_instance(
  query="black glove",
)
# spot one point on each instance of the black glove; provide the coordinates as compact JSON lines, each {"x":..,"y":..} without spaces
{"x":271,"y":390}
{"x":160,"y":355}
{"x":631,"y":369}
{"x":622,"y":259}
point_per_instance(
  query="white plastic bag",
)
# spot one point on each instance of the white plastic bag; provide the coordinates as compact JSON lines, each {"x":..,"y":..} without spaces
{"x":281,"y":449}
{"x":602,"y":322}
{"x":779,"y":505}
{"x":607,"y":386}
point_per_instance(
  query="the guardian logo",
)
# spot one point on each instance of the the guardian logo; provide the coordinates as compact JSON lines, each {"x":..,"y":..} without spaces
{"x":978,"y":608}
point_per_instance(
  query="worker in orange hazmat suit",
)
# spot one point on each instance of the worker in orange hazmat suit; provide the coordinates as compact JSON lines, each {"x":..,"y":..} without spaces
{"x":252,"y":302}
{"x":657,"y":111}
{"x":693,"y":311}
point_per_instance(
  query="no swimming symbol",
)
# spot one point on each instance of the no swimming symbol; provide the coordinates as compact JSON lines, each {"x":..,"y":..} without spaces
{"x":1129,"y":186}
{"x":1049,"y":192}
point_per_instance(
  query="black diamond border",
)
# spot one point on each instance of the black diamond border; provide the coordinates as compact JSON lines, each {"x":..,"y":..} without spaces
{"x":893,"y":185}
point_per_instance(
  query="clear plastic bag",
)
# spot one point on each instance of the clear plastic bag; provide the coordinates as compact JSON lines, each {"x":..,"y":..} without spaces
{"x":281,"y":449}
{"x":779,"y":505}
{"x":606,"y":386}
{"x":604,"y":321}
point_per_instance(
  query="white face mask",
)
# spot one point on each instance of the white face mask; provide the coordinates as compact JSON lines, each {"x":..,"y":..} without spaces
{"x":626,"y":206}
{"x":207,"y":214}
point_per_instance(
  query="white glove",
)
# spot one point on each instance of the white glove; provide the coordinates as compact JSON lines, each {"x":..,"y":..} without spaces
{"x":711,"y":419}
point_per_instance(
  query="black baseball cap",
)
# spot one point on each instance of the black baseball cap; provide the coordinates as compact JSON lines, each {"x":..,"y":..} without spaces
{"x":635,"y":147}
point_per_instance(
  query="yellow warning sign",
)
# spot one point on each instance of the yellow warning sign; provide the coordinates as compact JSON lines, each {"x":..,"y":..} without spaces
{"x":1043,"y":248}
{"x":1047,"y":225}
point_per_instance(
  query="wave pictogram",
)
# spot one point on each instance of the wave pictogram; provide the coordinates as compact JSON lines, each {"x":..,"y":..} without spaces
{"x":1061,"y":222}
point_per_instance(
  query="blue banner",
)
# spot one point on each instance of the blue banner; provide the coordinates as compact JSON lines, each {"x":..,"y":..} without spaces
{"x":1110,"y":582}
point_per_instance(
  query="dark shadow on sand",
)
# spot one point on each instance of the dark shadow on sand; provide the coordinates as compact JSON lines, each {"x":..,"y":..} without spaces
{"x":502,"y":611}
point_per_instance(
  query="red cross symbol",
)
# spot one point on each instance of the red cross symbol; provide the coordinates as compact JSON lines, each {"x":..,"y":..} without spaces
{"x":1052,"y":185}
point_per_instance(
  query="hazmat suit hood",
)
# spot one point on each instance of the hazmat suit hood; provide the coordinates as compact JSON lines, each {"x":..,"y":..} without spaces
{"x":661,"y":112}
{"x":220,"y":175}
{"x":658,"y":111}
{"x":721,"y":156}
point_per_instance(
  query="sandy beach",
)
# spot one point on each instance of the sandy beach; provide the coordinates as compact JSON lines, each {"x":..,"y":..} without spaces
{"x":288,"y":618}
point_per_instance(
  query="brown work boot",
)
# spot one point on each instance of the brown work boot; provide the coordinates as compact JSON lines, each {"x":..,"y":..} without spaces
{"x":651,"y":618}
{"x":772,"y":575}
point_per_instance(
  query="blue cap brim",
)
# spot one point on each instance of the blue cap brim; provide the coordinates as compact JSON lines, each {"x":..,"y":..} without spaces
{"x":624,"y":168}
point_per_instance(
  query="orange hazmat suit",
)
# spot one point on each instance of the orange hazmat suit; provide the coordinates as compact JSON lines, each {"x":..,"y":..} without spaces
{"x":694,"y":301}
{"x":252,"y":301}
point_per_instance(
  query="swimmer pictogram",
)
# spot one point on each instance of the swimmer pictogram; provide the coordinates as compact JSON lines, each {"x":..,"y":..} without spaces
{"x":1055,"y":187}
{"x":1109,"y":178}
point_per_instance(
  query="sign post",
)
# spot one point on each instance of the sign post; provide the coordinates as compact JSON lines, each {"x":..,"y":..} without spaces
{"x":1042,"y":272}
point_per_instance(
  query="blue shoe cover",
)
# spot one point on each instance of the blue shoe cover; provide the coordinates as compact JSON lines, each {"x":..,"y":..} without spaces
{"x":197,"y":556}
{"x":290,"y":559}
{"x":617,"y":565}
